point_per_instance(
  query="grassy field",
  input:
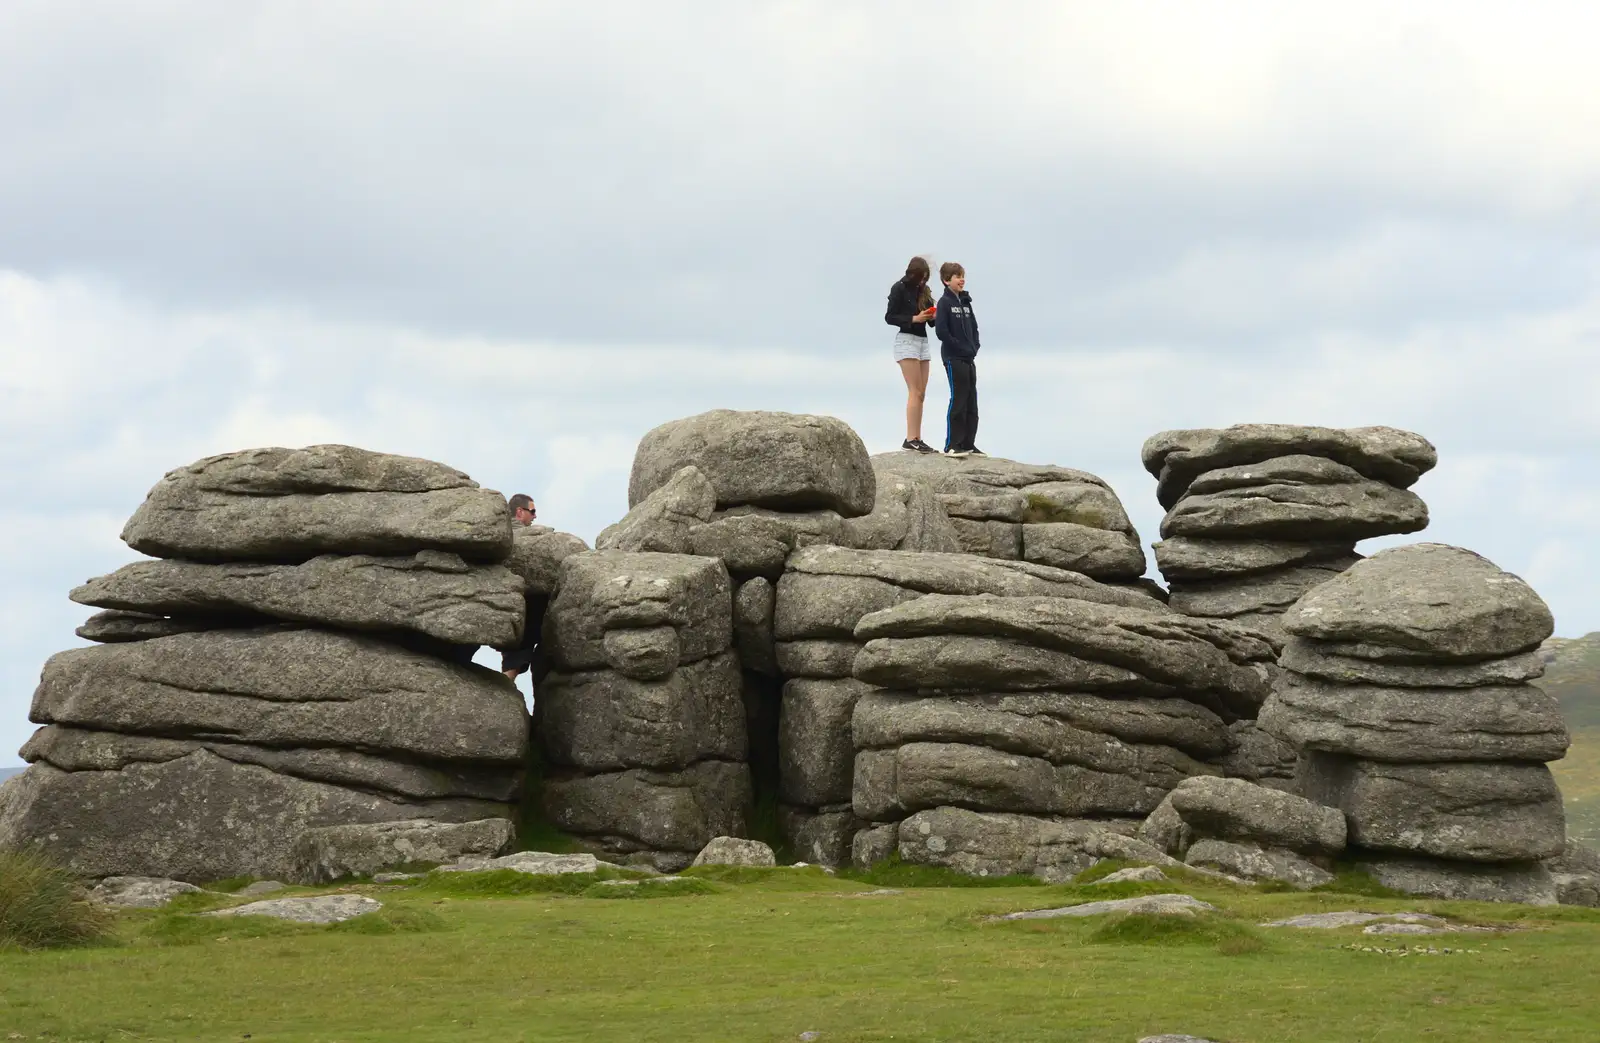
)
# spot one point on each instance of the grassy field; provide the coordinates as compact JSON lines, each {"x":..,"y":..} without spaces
{"x":768,"y":955}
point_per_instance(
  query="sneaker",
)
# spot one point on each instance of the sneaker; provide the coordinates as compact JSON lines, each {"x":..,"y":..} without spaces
{"x":959,"y":454}
{"x":910,"y":446}
{"x":922,"y":447}
{"x":975,"y":451}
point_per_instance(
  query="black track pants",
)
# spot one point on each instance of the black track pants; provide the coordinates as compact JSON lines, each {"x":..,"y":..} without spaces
{"x":961,"y":424}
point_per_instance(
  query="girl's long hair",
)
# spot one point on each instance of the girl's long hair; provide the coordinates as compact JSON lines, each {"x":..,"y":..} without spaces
{"x":918,"y":272}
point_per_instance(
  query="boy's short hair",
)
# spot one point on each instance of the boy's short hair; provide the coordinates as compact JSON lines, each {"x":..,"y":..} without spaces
{"x":949,"y":270}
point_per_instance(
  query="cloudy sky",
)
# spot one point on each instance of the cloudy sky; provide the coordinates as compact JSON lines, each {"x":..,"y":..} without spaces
{"x":513,"y":236}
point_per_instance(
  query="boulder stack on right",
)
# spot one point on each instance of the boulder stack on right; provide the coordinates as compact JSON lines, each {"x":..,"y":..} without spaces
{"x":1405,"y":684}
{"x":1258,"y":514}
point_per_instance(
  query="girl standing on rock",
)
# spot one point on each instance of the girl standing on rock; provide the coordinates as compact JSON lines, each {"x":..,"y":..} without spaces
{"x":910,"y":307}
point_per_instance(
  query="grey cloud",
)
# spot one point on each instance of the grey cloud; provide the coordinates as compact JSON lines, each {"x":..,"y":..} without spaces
{"x":729,"y":176}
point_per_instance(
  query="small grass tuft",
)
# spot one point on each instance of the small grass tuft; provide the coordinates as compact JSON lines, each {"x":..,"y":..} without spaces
{"x":392,"y":919}
{"x":45,"y":907}
{"x":678,"y":887}
{"x":1230,"y":937}
{"x":892,"y":872}
{"x":1348,"y":880}
{"x":176,"y":928}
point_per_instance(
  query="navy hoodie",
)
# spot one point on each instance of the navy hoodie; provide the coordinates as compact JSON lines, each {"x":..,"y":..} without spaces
{"x":956,"y":326}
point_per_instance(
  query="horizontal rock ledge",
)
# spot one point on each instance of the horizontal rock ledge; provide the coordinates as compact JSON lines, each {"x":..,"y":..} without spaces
{"x":432,"y":593}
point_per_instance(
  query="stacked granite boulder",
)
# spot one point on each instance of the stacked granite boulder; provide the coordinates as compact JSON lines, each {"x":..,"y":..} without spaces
{"x":815,"y":534}
{"x":820,"y":605}
{"x":1054,"y":516}
{"x":1405,"y":684}
{"x":295,"y":659}
{"x":747,"y":489}
{"x":1075,"y":713}
{"x":640,"y":720}
{"x":1258,"y":514}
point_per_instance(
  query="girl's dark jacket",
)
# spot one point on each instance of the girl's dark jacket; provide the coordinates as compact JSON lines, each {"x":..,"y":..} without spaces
{"x":903,"y":304}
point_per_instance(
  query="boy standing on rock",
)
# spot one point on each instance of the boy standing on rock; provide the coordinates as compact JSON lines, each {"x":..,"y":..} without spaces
{"x":957,"y":328}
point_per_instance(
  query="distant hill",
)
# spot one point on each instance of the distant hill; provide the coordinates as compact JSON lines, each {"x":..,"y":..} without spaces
{"x":6,"y":773}
{"x":1573,"y":677}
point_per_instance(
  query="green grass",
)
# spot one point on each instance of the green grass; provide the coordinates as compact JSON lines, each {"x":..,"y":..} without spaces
{"x":42,"y":907}
{"x":1227,"y":937}
{"x":897,"y":874}
{"x":650,"y":889}
{"x":767,"y":955}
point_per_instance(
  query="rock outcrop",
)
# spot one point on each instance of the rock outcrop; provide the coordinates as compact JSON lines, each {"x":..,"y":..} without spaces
{"x":1258,"y":514}
{"x":1080,"y":710}
{"x":1405,"y":685}
{"x":1247,"y":831}
{"x":820,"y":604}
{"x":297,"y":660}
{"x":1054,"y":516}
{"x":641,"y":720}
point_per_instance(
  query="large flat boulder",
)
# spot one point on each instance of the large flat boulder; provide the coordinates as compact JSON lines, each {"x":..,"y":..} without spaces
{"x":782,"y":461}
{"x":885,"y":720}
{"x":1186,"y":558}
{"x":1518,"y":722}
{"x":1032,"y":718}
{"x":433,"y":593}
{"x":990,"y":664}
{"x":600,"y":720}
{"x":1236,"y":810}
{"x":989,"y":844}
{"x":1327,"y":662}
{"x":294,"y":504}
{"x":931,"y":573}
{"x":1434,"y":601}
{"x":198,"y":818}
{"x":891,"y":784}
{"x":1205,"y":660}
{"x":79,"y":749}
{"x":1283,"y":510}
{"x":288,"y":688}
{"x":1467,"y":812}
{"x":329,"y":853}
{"x":642,"y":614}
{"x":1387,"y":454}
